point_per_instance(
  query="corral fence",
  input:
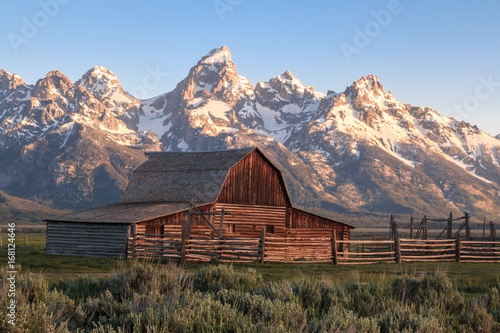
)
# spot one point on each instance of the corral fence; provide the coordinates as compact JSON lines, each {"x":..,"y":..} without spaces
{"x":312,"y":250}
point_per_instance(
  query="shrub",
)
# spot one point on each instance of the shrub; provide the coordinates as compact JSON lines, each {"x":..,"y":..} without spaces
{"x":405,"y":319}
{"x":215,"y":278}
{"x":433,"y":290}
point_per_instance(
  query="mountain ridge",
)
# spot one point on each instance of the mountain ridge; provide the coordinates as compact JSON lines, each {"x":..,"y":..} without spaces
{"x":360,"y":150}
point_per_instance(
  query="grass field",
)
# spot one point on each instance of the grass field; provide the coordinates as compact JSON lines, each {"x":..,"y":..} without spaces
{"x":124,"y":295}
{"x":471,"y":278}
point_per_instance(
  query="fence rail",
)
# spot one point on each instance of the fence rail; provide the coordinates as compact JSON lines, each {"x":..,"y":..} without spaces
{"x":312,"y":249}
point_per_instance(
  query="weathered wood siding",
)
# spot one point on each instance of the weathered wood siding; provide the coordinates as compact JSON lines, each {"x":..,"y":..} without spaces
{"x":86,"y":239}
{"x":247,"y":221}
{"x":311,"y":225}
{"x":254,"y":181}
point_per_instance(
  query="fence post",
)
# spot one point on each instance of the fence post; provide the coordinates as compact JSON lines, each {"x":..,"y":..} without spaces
{"x":188,"y":222}
{"x":484,"y":228}
{"x":467,"y":227}
{"x":263,"y":246}
{"x":397,"y":245}
{"x":183,"y":245}
{"x":492,"y":231}
{"x":393,"y":232}
{"x":127,"y":246}
{"x":221,"y":226}
{"x":1,"y":237}
{"x":335,"y":258}
{"x":411,"y":226}
{"x":25,"y":237}
{"x":134,"y":240}
{"x":458,"y":248}
{"x":426,"y":234}
{"x":450,"y":226}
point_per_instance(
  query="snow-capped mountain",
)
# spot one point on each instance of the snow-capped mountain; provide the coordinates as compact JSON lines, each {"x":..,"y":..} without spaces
{"x":356,"y":150}
{"x":63,"y":142}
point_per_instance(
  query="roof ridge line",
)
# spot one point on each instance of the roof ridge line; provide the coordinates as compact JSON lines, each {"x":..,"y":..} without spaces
{"x":198,"y":151}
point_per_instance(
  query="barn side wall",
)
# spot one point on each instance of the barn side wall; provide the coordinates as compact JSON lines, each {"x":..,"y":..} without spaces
{"x":86,"y":239}
{"x":172,"y":224}
{"x":254,"y":181}
{"x":247,"y":221}
{"x":311,"y":225}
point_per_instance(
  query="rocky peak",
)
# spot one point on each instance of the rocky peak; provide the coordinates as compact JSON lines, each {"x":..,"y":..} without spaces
{"x":9,"y":82}
{"x":105,"y":86}
{"x":99,"y":81}
{"x":216,"y":74}
{"x":285,"y":88}
{"x":54,"y":85}
{"x":217,"y":56}
{"x":12,"y":80}
{"x":369,"y":85}
{"x":288,"y":82}
{"x":498,"y":137}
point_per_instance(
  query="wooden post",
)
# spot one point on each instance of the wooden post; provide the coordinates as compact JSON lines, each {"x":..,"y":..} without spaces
{"x":221,"y":226}
{"x":450,"y":227}
{"x":335,"y":258}
{"x":426,"y":231}
{"x":25,"y":237}
{"x":183,"y":245}
{"x":392,"y":226}
{"x":127,"y":247}
{"x":467,"y":227}
{"x":392,"y":233}
{"x":411,"y":226}
{"x":492,"y":231}
{"x":397,"y":245}
{"x":458,"y":248}
{"x":221,"y":222}
{"x":263,"y":246}
{"x":188,"y":222}
{"x":134,"y":240}
{"x":1,"y":237}
{"x":484,"y":227}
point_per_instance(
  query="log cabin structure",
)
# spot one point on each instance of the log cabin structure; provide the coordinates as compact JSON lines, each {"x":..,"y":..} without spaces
{"x":240,"y":186}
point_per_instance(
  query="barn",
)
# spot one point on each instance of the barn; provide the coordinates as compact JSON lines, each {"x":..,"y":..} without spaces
{"x":220,"y":194}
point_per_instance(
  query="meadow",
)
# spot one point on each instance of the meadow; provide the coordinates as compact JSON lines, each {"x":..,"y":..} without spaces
{"x":76,"y":294}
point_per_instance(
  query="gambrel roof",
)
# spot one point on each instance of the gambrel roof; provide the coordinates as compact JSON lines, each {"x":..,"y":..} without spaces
{"x":184,"y":176}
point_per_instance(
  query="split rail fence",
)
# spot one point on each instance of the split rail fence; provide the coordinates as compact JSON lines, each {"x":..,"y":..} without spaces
{"x":312,"y":250}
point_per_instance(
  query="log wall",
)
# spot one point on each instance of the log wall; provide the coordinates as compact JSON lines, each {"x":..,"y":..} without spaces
{"x":86,"y":239}
{"x":247,"y":221}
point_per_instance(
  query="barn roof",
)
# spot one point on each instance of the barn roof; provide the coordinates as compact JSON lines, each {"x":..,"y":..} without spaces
{"x":123,"y":212}
{"x":182,"y":176}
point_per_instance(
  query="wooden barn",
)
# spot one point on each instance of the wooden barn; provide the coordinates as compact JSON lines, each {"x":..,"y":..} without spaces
{"x":215,"y":194}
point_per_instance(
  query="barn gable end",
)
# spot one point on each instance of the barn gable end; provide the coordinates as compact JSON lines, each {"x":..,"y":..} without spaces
{"x":254,"y":180}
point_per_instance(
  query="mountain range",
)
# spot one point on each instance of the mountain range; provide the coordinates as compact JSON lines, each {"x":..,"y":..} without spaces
{"x":73,"y":145}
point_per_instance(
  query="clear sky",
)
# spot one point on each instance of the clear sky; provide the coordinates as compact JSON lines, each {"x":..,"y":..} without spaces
{"x":442,"y":54}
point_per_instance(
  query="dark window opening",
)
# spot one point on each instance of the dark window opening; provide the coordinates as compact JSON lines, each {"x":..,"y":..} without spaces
{"x":153,"y":230}
{"x":269,"y":229}
{"x":231,"y":228}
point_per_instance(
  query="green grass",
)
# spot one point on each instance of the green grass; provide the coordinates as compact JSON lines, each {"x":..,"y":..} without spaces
{"x":471,"y":278}
{"x":34,"y":259}
{"x":147,"y":297}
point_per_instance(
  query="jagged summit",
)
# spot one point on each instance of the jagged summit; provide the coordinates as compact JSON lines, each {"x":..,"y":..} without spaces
{"x":369,"y":83}
{"x":9,"y":82}
{"x":99,"y":81}
{"x":217,"y":56}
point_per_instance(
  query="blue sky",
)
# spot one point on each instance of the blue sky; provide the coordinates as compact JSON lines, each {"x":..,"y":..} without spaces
{"x":444,"y":54}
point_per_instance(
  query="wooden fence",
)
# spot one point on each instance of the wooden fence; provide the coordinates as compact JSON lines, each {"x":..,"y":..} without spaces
{"x":312,"y":250}
{"x":199,"y":249}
